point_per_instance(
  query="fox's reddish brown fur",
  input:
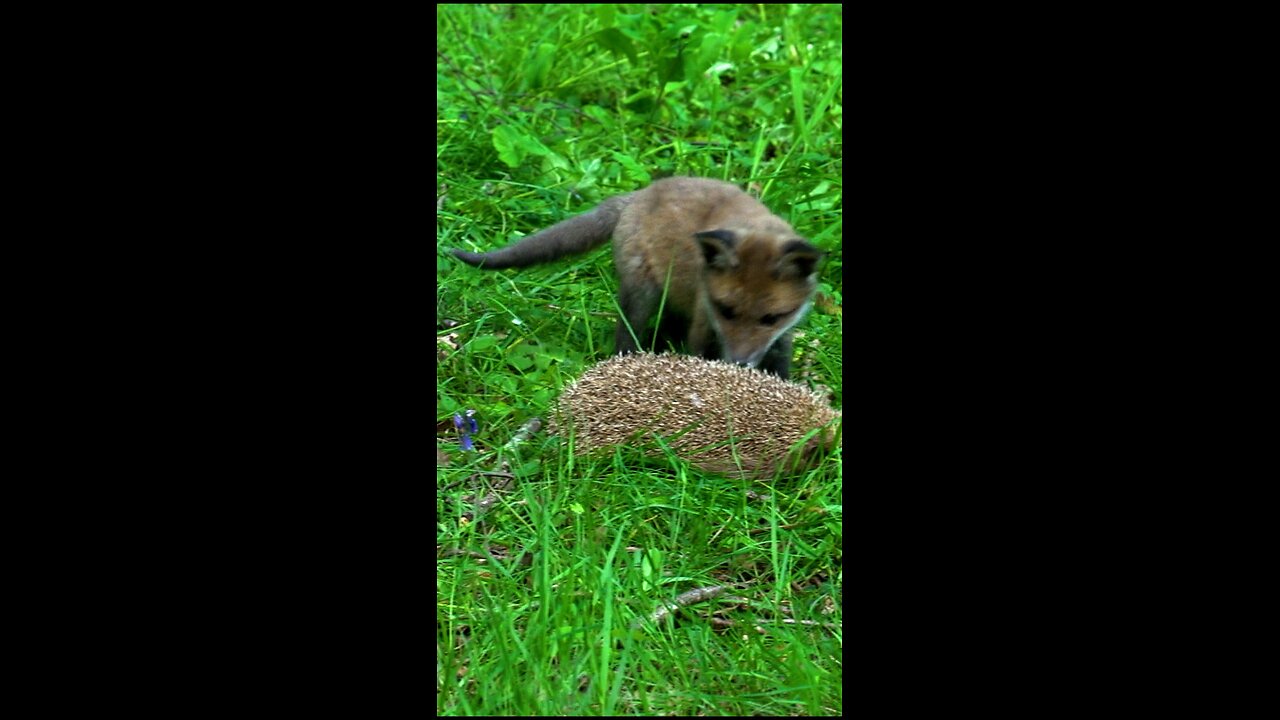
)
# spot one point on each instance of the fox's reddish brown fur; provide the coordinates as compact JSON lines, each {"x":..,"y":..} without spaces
{"x":738,"y":273}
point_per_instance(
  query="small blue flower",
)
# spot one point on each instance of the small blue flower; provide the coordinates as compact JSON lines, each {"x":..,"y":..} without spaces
{"x":470,"y":427}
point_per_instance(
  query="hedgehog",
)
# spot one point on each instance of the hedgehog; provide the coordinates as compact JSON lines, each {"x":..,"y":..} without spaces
{"x":721,"y":417}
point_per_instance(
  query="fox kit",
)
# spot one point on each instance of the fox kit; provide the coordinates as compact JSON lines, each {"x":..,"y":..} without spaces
{"x":737,"y":273}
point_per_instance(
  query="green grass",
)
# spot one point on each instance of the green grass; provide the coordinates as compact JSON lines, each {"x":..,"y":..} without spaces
{"x":542,"y":599}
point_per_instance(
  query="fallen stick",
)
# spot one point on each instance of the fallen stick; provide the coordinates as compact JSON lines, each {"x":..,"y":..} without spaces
{"x":685,"y":599}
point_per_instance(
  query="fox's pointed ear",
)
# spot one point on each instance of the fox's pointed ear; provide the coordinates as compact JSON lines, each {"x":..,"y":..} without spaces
{"x":718,"y":248}
{"x":799,"y":259}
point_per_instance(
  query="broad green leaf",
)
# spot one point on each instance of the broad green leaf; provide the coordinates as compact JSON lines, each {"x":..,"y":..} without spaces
{"x":634,"y":170}
{"x":506,"y":140}
{"x":600,"y":115}
{"x":482,"y":342}
{"x":533,"y":146}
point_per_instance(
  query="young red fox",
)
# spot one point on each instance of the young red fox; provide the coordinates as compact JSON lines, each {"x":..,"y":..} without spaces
{"x":739,"y":274}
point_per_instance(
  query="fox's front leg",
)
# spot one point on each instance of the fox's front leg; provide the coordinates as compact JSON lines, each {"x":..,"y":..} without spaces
{"x":702,"y":337}
{"x":638,"y":305}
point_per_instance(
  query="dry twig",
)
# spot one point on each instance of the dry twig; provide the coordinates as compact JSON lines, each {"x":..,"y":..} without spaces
{"x":696,"y":595}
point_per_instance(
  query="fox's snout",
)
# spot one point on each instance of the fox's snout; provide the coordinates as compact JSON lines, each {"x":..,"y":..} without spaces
{"x":750,"y":358}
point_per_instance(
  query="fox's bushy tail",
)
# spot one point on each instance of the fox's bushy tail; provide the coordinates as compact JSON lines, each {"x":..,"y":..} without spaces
{"x":578,"y":234}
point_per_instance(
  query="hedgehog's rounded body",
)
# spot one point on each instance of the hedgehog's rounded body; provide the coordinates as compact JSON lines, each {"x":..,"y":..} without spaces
{"x":720,"y":417}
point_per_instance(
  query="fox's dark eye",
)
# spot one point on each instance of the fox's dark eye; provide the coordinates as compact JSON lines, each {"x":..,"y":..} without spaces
{"x":772,"y":319}
{"x":725,"y":311}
